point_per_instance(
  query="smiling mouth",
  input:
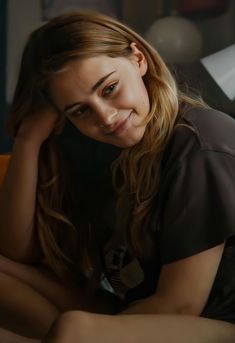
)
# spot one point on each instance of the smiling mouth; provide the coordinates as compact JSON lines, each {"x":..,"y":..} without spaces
{"x":120,"y":127}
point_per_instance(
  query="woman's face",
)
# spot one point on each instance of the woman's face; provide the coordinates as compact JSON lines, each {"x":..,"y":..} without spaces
{"x":104,"y":97}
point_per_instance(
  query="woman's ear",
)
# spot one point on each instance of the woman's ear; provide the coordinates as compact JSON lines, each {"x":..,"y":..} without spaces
{"x":139,"y":58}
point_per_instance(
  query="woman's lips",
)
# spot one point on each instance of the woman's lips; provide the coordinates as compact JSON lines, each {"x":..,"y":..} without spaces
{"x":120,"y":127}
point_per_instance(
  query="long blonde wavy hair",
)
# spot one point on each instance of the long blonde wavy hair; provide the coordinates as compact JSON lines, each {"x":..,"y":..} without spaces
{"x":81,"y":35}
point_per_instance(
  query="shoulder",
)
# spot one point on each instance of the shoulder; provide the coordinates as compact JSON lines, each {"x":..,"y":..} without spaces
{"x":202,"y":131}
{"x":215,"y":130}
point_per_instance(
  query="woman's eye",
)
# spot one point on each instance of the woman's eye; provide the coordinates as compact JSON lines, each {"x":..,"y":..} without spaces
{"x":108,"y":90}
{"x":80,"y":112}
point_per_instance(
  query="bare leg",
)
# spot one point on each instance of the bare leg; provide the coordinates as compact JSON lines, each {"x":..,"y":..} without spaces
{"x":82,"y":327}
{"x":31,"y":299}
{"x":23,"y":310}
{"x":11,"y":337}
{"x":44,"y":282}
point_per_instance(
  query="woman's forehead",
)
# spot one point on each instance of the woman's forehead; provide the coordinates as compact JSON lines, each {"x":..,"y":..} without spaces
{"x":89,"y":70}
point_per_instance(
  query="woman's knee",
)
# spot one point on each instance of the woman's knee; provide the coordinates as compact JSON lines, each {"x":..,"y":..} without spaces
{"x":71,"y":326}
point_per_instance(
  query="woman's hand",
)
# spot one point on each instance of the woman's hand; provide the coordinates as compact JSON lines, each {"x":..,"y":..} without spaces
{"x":37,"y":127}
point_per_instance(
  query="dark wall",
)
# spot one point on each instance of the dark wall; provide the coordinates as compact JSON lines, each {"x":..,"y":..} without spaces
{"x":4,"y":142}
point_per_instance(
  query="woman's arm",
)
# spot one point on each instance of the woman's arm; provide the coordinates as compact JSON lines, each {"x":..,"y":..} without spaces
{"x":17,"y":201}
{"x":184,"y":285}
{"x":84,"y":327}
{"x":18,"y":239}
{"x":183,"y":289}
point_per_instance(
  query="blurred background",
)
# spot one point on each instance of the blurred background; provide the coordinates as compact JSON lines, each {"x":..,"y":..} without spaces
{"x":184,"y":32}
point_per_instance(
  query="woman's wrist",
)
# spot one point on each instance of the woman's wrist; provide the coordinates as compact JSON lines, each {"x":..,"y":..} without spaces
{"x":27,"y":143}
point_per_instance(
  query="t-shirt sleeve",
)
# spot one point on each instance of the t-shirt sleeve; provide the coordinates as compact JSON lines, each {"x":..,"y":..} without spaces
{"x":197,"y":204}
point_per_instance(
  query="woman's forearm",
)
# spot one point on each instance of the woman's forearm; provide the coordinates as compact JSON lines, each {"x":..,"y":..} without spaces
{"x":17,"y":201}
{"x":87,"y":327}
{"x":156,"y":304}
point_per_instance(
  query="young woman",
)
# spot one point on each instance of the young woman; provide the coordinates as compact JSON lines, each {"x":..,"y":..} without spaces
{"x":157,"y":249}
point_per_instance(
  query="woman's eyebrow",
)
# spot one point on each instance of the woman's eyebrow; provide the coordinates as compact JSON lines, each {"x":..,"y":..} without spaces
{"x":101,"y":80}
{"x":96,"y":85}
{"x":69,"y":107}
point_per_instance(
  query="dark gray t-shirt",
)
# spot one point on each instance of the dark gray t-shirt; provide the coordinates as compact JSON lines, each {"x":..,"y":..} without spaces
{"x":195,"y":207}
{"x":195,"y":211}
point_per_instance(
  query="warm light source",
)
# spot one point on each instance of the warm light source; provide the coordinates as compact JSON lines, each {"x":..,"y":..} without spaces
{"x":221,"y":66}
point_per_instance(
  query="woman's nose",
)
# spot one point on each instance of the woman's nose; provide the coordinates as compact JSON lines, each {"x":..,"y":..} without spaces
{"x":106,"y":115}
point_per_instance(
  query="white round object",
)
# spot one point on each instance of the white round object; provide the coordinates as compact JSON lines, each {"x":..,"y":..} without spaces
{"x":176,"y":39}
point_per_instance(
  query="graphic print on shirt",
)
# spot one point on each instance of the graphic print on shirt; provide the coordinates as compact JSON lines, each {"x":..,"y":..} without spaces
{"x":123,"y":271}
